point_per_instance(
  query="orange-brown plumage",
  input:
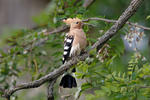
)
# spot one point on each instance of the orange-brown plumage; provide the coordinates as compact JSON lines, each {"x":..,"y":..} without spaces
{"x":77,"y":32}
{"x":75,"y":42}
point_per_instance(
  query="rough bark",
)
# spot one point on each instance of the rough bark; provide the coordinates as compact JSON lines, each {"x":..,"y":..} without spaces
{"x":50,"y":87}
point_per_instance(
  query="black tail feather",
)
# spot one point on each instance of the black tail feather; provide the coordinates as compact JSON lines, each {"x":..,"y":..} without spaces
{"x":68,"y":81}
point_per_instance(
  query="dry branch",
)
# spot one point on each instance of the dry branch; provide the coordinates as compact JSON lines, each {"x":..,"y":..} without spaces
{"x":50,"y":87}
{"x":57,"y":72}
{"x":63,"y":28}
{"x":87,"y":3}
{"x":114,"y":21}
{"x":119,"y":23}
{"x":51,"y":76}
{"x":144,"y":86}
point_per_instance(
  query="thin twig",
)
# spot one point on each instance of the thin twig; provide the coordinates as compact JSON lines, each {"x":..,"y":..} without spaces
{"x":146,"y":76}
{"x":59,"y":29}
{"x":114,"y":21}
{"x":144,"y":86}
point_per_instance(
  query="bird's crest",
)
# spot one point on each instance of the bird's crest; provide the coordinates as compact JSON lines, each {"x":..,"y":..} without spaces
{"x":71,"y":20}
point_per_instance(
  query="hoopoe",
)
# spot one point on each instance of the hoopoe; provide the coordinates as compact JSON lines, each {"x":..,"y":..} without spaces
{"x":74,"y":43}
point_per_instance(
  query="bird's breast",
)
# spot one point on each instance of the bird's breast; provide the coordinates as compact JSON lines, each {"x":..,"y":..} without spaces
{"x":79,"y":42}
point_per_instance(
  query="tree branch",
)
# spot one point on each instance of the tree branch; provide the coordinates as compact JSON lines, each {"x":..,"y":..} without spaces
{"x":144,"y":86}
{"x":57,"y":72}
{"x":87,"y":3}
{"x":51,"y":76}
{"x":50,"y":87}
{"x":65,"y":27}
{"x":119,"y":24}
{"x":114,"y":21}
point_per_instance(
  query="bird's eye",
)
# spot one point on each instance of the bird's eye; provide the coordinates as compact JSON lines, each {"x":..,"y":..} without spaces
{"x":77,"y":22}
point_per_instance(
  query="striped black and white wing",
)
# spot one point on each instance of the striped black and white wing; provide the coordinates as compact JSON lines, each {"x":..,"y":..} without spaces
{"x":67,"y":47}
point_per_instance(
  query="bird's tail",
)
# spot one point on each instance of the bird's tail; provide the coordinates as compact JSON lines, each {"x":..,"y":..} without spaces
{"x":68,"y":81}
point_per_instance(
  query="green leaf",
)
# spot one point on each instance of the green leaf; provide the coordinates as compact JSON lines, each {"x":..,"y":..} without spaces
{"x":86,"y":86}
{"x":79,"y":75}
{"x":114,"y":88}
{"x":100,"y":93}
{"x":118,"y":45}
{"x":148,"y":17}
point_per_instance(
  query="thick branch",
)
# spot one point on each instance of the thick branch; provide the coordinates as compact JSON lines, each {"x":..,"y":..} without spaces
{"x":56,"y":73}
{"x":87,"y":3}
{"x":51,"y":76}
{"x":119,"y":24}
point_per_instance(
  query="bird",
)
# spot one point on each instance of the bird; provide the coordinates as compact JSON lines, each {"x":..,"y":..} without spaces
{"x":74,"y":44}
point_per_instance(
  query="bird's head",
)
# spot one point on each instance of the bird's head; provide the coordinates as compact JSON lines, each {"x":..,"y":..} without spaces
{"x":74,"y":23}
